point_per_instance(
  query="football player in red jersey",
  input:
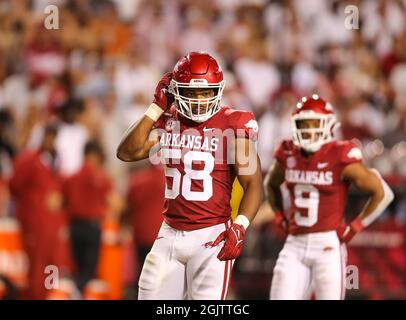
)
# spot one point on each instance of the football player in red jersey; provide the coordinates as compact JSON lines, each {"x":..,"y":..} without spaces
{"x":317,"y":171}
{"x":203,"y":146}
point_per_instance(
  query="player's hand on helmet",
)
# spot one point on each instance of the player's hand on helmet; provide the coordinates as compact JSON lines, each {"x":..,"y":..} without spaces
{"x":347,"y":232}
{"x":233,"y":242}
{"x":162,"y":97}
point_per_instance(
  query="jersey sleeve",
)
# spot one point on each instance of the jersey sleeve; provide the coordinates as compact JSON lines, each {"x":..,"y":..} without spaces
{"x":245,"y":125}
{"x":350,"y":153}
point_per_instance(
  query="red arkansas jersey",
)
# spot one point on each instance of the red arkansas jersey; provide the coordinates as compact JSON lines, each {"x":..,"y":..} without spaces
{"x":318,"y":194}
{"x":199,"y":177}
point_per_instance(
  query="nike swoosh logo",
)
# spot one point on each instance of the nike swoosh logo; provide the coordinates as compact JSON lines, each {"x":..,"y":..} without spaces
{"x":322,"y":165}
{"x":158,"y":238}
{"x":237,"y":236}
{"x":208,"y":129}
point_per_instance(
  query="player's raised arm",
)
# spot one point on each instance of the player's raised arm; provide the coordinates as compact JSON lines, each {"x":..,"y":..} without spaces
{"x":368,"y":181}
{"x":137,"y":142}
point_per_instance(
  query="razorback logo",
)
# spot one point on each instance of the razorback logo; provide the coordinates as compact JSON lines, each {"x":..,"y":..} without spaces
{"x":355,"y":153}
{"x":252,"y":124}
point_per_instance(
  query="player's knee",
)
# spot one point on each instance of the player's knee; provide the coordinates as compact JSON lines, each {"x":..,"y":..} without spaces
{"x":282,"y":266}
{"x":278,"y":271}
{"x":151,"y":273}
{"x":328,"y":286}
{"x":280,"y":275}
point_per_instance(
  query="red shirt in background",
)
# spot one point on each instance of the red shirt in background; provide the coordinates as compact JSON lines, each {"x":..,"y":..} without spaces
{"x":4,"y":196}
{"x":37,"y":191}
{"x":33,"y":185}
{"x":86,"y":193}
{"x":146,"y":196}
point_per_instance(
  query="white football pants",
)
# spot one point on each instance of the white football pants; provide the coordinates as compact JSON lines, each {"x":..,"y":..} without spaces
{"x":310,"y":263}
{"x":179,"y":266}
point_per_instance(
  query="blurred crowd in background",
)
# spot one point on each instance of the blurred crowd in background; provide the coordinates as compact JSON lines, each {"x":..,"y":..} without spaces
{"x":72,"y":92}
